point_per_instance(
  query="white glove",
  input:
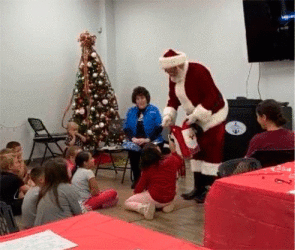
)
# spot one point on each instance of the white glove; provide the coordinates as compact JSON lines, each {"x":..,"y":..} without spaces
{"x":191,"y":119}
{"x":167,"y":121}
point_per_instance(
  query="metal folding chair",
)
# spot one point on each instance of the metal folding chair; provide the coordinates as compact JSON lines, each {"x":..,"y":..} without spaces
{"x":43,"y":136}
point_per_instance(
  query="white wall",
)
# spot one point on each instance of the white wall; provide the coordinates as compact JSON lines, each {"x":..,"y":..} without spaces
{"x":40,"y":54}
{"x":211,"y":32}
{"x":39,"y":59}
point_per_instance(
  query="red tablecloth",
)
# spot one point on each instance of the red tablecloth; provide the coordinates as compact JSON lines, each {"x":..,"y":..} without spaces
{"x":96,"y":231}
{"x":252,"y":211}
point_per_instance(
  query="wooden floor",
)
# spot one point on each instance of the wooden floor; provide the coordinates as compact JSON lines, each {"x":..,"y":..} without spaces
{"x":185,"y":222}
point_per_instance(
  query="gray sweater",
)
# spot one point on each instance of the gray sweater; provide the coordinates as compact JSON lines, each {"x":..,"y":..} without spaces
{"x":29,"y":207}
{"x":47,"y":209}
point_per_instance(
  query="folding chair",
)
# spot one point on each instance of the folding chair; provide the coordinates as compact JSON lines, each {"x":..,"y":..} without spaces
{"x":238,"y":166}
{"x":7,"y":220}
{"x":115,"y":129}
{"x":270,"y":158}
{"x":43,"y":136}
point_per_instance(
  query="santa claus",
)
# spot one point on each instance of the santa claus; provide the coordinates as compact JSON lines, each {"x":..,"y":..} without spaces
{"x":192,"y":87}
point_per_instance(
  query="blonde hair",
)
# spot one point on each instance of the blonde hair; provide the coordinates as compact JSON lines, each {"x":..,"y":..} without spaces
{"x":72,"y":151}
{"x":72,"y":124}
{"x":6,"y":159}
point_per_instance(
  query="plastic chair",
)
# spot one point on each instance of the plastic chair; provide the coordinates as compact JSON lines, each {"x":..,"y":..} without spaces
{"x":43,"y":136}
{"x":7,"y":220}
{"x":238,"y":166}
{"x":270,"y":158}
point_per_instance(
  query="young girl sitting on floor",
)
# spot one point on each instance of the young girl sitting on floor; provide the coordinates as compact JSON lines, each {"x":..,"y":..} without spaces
{"x":57,"y":198}
{"x":157,"y":185}
{"x":86,"y":185}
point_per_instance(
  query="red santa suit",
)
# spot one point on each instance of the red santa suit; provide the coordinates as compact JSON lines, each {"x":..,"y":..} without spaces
{"x":194,"y":89}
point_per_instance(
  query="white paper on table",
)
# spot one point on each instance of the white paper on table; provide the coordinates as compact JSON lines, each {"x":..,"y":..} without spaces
{"x":46,"y":240}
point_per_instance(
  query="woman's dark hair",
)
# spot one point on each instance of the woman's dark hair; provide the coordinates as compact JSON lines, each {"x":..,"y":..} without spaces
{"x":272,"y":110}
{"x":150,"y":155}
{"x":55,"y":170}
{"x":81,"y":157}
{"x":140,"y":91}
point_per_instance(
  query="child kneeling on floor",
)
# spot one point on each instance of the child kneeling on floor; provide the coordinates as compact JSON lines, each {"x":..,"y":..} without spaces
{"x":87,"y":187}
{"x":157,"y":185}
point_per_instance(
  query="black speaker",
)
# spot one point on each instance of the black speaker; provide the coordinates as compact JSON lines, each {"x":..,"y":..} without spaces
{"x":241,"y":126}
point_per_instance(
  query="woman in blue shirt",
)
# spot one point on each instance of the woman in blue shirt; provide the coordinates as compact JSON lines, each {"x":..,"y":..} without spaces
{"x":142,"y":125}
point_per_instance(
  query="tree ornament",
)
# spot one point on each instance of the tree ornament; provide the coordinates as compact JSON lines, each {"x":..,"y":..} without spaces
{"x":101,"y":124}
{"x":100,"y":82}
{"x":81,"y":111}
{"x":104,"y":101}
{"x":94,"y":54}
{"x":89,"y":64}
{"x":95,"y":75}
{"x":96,"y":96}
{"x":89,"y":132}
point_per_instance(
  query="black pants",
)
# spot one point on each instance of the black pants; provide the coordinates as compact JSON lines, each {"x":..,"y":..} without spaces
{"x":134,"y":158}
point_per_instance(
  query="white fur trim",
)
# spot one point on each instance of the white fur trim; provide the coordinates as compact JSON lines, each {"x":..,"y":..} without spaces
{"x":182,"y":97}
{"x":202,"y":113}
{"x":215,"y":119}
{"x":169,"y":62}
{"x":204,"y":167}
{"x":170,"y":111}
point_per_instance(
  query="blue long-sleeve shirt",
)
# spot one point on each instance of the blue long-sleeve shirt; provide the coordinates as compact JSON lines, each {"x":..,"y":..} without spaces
{"x":152,"y":123}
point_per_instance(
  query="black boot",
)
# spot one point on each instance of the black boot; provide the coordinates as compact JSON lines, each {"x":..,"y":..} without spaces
{"x":198,"y":187}
{"x":208,"y":180}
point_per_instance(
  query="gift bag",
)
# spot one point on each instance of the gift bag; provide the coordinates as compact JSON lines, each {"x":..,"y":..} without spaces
{"x":185,"y":140}
{"x":129,"y":145}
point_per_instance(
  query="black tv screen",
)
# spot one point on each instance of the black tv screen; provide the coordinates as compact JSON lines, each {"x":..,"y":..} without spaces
{"x":270,"y":29}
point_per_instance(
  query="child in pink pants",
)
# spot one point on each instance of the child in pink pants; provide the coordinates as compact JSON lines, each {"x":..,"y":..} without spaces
{"x":86,"y":185}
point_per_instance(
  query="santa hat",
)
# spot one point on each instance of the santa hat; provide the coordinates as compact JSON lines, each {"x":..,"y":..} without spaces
{"x":171,"y":59}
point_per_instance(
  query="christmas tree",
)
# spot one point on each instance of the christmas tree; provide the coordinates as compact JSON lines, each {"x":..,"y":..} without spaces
{"x":95,"y":107}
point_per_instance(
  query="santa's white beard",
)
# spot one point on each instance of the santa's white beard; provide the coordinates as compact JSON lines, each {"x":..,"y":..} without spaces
{"x":181,"y":73}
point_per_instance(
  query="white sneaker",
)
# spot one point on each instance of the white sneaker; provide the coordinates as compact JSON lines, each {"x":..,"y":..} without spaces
{"x":149,"y":211}
{"x":169,"y":208}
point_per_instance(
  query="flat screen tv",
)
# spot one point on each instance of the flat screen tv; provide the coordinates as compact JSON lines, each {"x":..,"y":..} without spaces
{"x":270,"y":29}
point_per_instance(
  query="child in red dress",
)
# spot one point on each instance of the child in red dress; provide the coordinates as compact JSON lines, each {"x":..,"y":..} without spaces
{"x":157,"y":186}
